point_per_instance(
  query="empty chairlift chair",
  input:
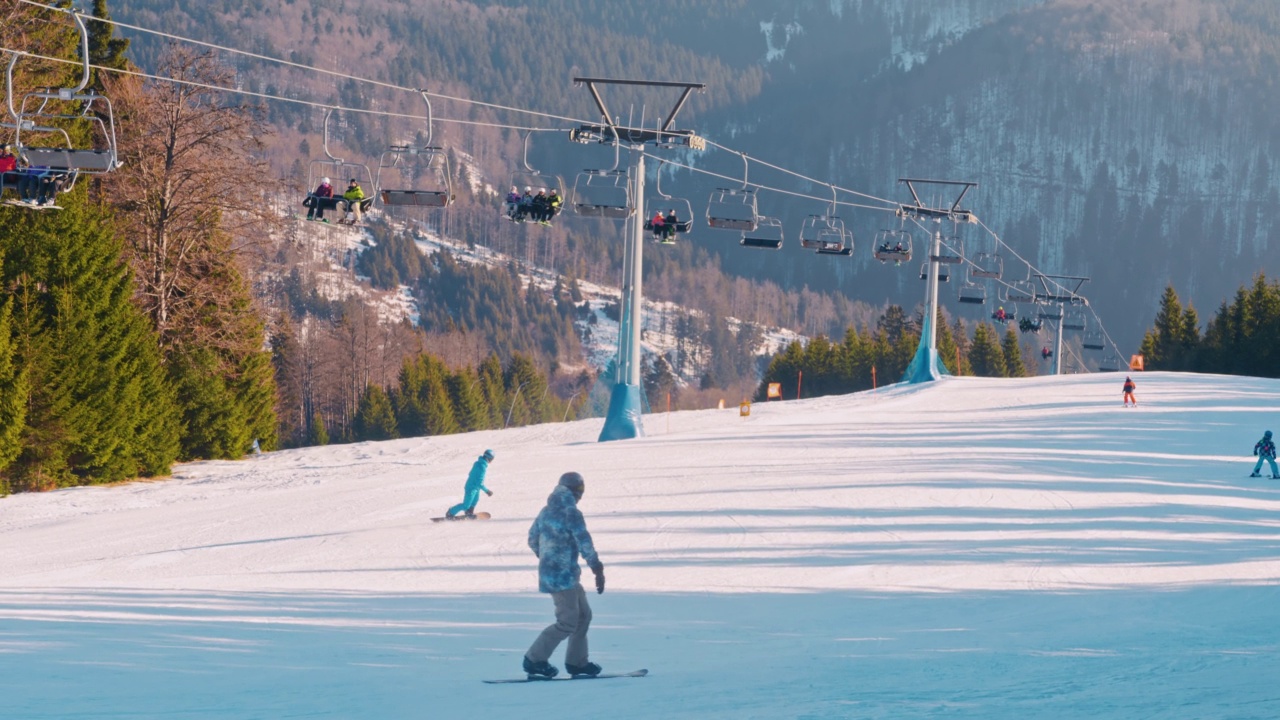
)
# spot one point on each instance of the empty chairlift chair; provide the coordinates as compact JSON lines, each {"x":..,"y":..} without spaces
{"x":410,"y":176}
{"x":732,"y":209}
{"x":767,"y":235}
{"x":987,"y":266}
{"x":1094,"y":340}
{"x":603,"y":194}
{"x":944,"y":272}
{"x":972,"y":293}
{"x":1074,"y":319}
{"x":835,"y":241}
{"x":950,"y":251}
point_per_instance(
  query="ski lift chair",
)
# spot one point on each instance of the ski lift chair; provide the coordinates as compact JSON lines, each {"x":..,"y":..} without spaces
{"x":530,"y":179}
{"x":944,"y":273}
{"x":603,"y":194}
{"x":1074,"y":320}
{"x":950,"y":252}
{"x":1010,"y":314}
{"x":835,"y":241}
{"x":342,"y":172}
{"x":428,"y":178}
{"x":972,"y":293}
{"x":1094,"y":340}
{"x":669,"y":207}
{"x":733,"y":209}
{"x":987,"y":266}
{"x":1110,"y":363}
{"x":767,"y":234}
{"x":892,"y":246}
{"x":46,"y":111}
{"x":1022,"y":291}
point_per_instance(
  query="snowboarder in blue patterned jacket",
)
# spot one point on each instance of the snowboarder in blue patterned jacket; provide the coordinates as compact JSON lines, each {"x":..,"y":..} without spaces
{"x":1265,"y":450}
{"x":475,"y":483}
{"x":558,"y":536}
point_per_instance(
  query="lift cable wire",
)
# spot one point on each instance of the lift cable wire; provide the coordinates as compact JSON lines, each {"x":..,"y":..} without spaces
{"x":300,"y":66}
{"x":494,"y":106}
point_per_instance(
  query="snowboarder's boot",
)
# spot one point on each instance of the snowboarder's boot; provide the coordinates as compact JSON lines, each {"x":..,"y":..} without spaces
{"x":589,"y":670}
{"x":540,"y":669}
{"x":1255,"y":475}
{"x":471,"y":515}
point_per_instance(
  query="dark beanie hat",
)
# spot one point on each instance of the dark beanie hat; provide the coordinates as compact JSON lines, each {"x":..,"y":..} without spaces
{"x":572,"y":480}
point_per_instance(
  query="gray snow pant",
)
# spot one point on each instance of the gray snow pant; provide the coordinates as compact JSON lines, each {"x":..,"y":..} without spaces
{"x":573,"y":617}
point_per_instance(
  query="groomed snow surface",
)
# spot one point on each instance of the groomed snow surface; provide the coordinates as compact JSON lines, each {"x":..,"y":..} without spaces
{"x":972,"y":548}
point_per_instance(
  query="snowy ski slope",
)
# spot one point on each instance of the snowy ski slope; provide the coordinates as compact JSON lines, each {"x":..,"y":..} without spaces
{"x":973,"y":548}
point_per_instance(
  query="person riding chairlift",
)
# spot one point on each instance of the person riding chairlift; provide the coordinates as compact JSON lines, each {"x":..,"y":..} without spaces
{"x":321,"y":199}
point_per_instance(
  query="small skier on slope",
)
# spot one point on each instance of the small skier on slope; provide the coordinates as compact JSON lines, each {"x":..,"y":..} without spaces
{"x":1265,"y":449}
{"x":557,"y":537}
{"x":475,"y":483}
{"x":1128,"y":392}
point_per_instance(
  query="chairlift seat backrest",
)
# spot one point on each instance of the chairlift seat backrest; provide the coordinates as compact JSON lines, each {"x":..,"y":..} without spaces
{"x":66,"y":159}
{"x":733,"y":210}
{"x":767,"y":235}
{"x":416,"y":198}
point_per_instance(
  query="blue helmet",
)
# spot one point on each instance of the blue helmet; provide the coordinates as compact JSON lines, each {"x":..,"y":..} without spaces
{"x":1266,"y":434}
{"x":488,"y":455}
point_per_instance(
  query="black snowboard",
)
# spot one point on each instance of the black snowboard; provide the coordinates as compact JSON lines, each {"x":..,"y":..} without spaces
{"x":601,"y":676}
{"x":477,"y":516}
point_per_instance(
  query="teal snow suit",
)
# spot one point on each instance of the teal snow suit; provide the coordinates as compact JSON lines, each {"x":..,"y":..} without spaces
{"x":475,"y":484}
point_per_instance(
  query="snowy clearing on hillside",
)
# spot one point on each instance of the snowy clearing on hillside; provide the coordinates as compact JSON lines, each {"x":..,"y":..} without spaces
{"x":970,"y":548}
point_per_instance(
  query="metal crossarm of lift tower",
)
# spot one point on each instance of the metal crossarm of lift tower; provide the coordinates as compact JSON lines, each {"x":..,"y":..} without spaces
{"x":611,"y":132}
{"x":920,"y":210}
{"x":1053,"y":285}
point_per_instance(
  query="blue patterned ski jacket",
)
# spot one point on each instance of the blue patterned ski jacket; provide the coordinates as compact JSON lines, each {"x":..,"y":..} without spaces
{"x":558,"y":536}
{"x":1265,"y":448}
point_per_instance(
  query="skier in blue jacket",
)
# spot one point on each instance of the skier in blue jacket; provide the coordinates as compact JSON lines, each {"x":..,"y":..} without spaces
{"x":475,"y":483}
{"x":558,"y":536}
{"x":1265,"y":449}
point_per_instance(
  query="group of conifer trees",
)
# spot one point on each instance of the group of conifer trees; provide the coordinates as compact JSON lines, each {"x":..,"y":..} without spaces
{"x":821,"y":367}
{"x":128,"y":338}
{"x":1240,"y":339}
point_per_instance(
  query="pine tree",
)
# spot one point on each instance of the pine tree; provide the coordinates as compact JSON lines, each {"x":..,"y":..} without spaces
{"x":468,"y":400}
{"x":13,"y":393}
{"x":99,"y":408}
{"x":1012,"y":347}
{"x":318,"y":435}
{"x":375,"y":420}
{"x":985,"y":355}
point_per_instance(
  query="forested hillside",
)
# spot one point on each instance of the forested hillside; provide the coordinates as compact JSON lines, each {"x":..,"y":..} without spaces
{"x":1112,"y":140}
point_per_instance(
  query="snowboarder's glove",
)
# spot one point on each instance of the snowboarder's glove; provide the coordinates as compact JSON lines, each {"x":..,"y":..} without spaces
{"x":598,"y":569}
{"x":489,"y":493}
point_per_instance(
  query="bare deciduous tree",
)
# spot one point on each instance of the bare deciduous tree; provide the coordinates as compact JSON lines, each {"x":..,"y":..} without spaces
{"x":190,"y":190}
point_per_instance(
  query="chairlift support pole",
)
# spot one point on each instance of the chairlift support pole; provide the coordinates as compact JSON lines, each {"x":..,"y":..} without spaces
{"x":926,"y":365}
{"x":623,"y":419}
{"x":1053,"y":287}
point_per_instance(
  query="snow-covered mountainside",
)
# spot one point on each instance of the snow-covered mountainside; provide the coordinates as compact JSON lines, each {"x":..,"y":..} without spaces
{"x":335,"y":247}
{"x":974,"y":548}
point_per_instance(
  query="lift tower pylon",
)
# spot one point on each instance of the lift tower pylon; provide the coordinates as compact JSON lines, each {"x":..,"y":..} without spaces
{"x":1058,"y":289}
{"x":926,"y":365}
{"x":623,"y":419}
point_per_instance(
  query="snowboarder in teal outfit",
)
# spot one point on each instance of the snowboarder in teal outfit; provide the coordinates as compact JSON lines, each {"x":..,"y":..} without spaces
{"x":558,"y":537}
{"x":1265,"y":449}
{"x":475,"y":483}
